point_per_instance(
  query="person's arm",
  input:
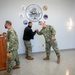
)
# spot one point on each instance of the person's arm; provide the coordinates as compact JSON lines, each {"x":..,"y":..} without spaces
{"x":32,"y":33}
{"x":7,"y":41}
{"x":39,"y":32}
{"x":11,"y":39}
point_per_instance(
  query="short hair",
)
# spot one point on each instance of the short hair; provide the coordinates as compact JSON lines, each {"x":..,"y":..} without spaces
{"x":9,"y":22}
{"x":29,"y":22}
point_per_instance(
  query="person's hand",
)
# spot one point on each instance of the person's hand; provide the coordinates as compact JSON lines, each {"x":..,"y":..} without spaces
{"x":4,"y":34}
{"x":36,"y":30}
{"x":53,"y":38}
{"x":9,"y":55}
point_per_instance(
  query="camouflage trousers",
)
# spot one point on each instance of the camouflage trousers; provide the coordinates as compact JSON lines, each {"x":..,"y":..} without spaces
{"x":10,"y":63}
{"x":28,"y":47}
{"x":54,"y":45}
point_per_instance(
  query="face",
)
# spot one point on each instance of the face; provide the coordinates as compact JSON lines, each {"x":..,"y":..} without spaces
{"x":42,"y":24}
{"x":30,"y":24}
{"x":7,"y":26}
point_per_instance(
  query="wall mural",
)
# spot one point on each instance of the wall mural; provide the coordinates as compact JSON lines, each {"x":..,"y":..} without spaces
{"x":25,"y":22}
{"x":21,"y":15}
{"x":45,"y":8}
{"x":45,"y":16}
{"x":33,"y":13}
{"x":22,"y":7}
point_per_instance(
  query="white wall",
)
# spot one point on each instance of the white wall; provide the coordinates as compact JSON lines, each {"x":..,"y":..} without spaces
{"x":59,"y":11}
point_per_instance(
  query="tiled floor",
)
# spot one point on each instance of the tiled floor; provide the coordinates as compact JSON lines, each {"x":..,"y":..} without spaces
{"x":38,"y":66}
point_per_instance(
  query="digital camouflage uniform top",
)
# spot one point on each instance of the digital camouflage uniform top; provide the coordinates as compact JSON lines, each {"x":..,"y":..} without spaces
{"x":12,"y":40}
{"x":48,"y":32}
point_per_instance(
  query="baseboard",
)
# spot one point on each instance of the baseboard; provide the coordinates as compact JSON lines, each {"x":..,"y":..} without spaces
{"x":53,"y":51}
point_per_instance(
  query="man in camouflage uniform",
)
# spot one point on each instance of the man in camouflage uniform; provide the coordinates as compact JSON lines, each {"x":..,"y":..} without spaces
{"x":49,"y":34}
{"x":12,"y":47}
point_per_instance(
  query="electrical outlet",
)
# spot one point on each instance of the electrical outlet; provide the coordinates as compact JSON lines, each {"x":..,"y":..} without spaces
{"x":43,"y":45}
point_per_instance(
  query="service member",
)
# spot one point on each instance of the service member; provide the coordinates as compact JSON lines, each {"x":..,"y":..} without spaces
{"x":12,"y":48}
{"x":49,"y":34}
{"x":27,"y":36}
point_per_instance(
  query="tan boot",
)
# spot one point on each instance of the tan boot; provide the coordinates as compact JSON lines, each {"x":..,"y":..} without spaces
{"x":30,"y":58}
{"x":58,"y":60}
{"x":6,"y":73}
{"x":46,"y":58}
{"x":16,"y":67}
{"x":26,"y":56}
